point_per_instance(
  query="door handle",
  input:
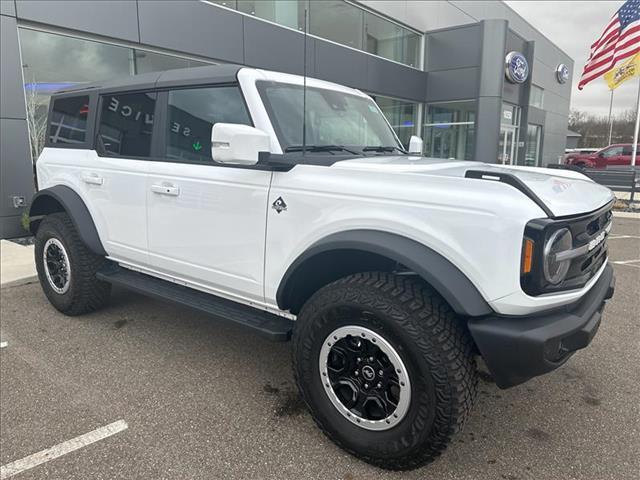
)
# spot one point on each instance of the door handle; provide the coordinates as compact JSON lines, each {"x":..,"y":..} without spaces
{"x":92,"y":179}
{"x":165,"y":189}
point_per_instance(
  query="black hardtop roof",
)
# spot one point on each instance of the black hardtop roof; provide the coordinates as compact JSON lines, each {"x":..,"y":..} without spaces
{"x":226,"y":73}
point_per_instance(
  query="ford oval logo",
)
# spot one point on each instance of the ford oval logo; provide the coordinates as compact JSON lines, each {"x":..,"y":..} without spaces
{"x":516,"y":67}
{"x":562,"y":73}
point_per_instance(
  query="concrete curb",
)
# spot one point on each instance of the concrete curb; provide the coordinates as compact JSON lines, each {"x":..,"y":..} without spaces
{"x":626,"y":214}
{"x":17,"y":266}
{"x":20,"y":282}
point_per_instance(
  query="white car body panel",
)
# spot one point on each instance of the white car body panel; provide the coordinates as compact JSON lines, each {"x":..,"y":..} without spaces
{"x":213,"y":232}
{"x":118,"y":206}
{"x":419,"y":199}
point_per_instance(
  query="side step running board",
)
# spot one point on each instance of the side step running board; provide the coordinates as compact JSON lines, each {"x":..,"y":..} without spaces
{"x":271,"y":326}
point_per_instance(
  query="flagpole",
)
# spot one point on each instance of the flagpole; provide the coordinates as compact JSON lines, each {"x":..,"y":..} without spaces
{"x":610,"y":118}
{"x":634,"y":147}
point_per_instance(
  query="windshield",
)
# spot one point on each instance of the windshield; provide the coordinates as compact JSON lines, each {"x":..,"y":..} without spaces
{"x":332,"y":118}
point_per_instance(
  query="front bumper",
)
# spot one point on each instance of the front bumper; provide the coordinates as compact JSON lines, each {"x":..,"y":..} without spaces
{"x":516,"y":349}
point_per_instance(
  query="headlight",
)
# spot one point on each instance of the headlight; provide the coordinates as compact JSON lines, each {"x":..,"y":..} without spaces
{"x":559,"y":241}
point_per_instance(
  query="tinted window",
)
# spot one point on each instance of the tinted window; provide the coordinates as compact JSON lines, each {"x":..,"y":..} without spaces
{"x":126,"y":123}
{"x":612,"y":152}
{"x":191,"y":115}
{"x":69,"y":120}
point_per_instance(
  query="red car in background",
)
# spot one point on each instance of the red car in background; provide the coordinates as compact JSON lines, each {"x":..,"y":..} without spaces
{"x":614,"y":155}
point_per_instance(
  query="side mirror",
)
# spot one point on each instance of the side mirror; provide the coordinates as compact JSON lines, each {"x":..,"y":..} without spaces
{"x":238,"y":144}
{"x":415,"y":145}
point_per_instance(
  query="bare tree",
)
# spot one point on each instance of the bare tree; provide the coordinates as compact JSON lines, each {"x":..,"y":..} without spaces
{"x":595,"y":129}
{"x":36,"y":121}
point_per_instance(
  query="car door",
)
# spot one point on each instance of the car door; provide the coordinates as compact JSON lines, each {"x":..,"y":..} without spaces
{"x":627,"y":153}
{"x":115,"y":174}
{"x":612,"y":155}
{"x":206,"y":221}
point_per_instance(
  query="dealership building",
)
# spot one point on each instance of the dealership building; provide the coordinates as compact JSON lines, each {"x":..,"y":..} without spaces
{"x":472,"y":78}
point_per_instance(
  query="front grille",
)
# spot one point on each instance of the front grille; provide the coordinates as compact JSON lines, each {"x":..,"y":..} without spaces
{"x":584,"y":229}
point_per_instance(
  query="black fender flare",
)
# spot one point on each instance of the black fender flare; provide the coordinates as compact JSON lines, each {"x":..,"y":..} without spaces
{"x":46,"y":201}
{"x":447,"y":279}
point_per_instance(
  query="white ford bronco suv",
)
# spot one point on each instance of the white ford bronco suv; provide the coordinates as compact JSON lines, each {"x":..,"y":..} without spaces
{"x":288,"y":206}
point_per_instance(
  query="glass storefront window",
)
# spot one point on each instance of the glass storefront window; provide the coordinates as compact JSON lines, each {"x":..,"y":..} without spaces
{"x":449,"y":130}
{"x":532,"y":155}
{"x":401,"y":115}
{"x":289,"y":13}
{"x":337,"y":21}
{"x":508,"y":142}
{"x":51,"y":62}
{"x":341,"y":22}
{"x":536,"y":96}
{"x":389,"y":40}
{"x":156,"y":62}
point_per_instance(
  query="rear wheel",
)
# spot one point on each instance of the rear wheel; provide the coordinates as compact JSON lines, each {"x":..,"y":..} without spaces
{"x":67,"y":268}
{"x":385,"y":367}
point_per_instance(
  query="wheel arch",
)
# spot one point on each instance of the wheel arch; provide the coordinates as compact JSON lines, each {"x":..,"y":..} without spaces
{"x":61,"y":198}
{"x":345,"y":253}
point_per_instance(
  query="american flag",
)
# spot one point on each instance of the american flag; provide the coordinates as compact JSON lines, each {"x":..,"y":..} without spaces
{"x":620,"y":40}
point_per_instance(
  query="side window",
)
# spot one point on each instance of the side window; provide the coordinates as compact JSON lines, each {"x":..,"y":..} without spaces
{"x":126,"y":123}
{"x":192,"y":113}
{"x":628,"y":150}
{"x":69,"y":120}
{"x":612,"y":152}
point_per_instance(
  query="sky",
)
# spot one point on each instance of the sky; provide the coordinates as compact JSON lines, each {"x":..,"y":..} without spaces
{"x":574,"y":26}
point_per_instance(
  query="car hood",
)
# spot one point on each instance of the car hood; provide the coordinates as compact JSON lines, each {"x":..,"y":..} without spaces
{"x":563,"y":192}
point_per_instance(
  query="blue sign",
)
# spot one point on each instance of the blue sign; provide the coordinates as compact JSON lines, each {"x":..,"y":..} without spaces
{"x":562,"y":73}
{"x":516,"y":67}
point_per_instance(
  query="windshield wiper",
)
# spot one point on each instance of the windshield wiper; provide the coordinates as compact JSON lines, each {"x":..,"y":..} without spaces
{"x":319,"y":148}
{"x":383,"y":148}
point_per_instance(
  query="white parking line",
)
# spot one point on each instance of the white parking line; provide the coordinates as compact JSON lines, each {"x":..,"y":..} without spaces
{"x":13,"y":468}
{"x":4,"y":344}
{"x":626,"y":262}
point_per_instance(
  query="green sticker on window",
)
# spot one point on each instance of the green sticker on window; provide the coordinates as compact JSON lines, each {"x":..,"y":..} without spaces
{"x":197,"y":146}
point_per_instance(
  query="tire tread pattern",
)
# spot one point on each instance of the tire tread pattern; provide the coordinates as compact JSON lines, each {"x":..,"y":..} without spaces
{"x":440,"y":336}
{"x":87,"y":293}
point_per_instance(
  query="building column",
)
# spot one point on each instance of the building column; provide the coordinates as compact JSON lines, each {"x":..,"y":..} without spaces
{"x":525,"y":94}
{"x":16,"y":167}
{"x":489,"y":101}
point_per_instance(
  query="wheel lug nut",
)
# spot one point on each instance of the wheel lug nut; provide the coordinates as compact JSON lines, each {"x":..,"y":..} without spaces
{"x":371,"y":359}
{"x":356,"y":373}
{"x":366,"y":385}
{"x":379,"y":385}
{"x":359,"y":360}
{"x":380,"y":372}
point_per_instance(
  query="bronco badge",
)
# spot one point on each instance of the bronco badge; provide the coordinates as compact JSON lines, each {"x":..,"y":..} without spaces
{"x":279,"y":205}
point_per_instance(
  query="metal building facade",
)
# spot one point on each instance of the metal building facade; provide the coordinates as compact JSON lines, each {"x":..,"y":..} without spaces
{"x":457,"y":95}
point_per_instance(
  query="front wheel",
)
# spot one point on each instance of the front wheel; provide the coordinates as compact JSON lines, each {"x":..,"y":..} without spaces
{"x":385,"y":367}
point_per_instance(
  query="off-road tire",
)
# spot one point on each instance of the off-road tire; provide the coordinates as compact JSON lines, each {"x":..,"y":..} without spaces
{"x":85,"y":293}
{"x":435,"y":348}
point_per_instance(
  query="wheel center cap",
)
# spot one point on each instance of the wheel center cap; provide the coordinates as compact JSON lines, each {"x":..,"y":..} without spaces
{"x":368,"y":372}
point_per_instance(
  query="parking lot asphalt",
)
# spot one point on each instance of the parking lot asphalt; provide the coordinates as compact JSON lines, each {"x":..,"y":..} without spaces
{"x":207,"y":400}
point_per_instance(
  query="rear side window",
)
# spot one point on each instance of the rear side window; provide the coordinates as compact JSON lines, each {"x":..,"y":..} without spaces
{"x":69,"y":120}
{"x":192,"y":113}
{"x":126,"y":123}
